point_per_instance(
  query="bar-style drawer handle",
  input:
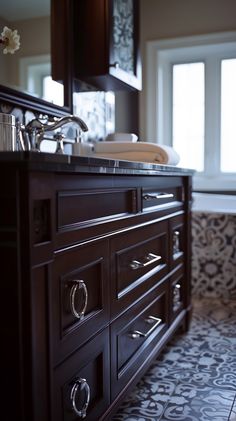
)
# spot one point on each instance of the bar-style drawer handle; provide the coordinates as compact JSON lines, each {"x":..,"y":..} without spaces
{"x":80,"y":385}
{"x":136,"y":334}
{"x":78,"y":285}
{"x":147,"y":260}
{"x":158,"y":195}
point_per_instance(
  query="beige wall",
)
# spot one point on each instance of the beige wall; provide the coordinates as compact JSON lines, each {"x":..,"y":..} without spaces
{"x":35,"y":40}
{"x":3,"y":57}
{"x":173,"y":18}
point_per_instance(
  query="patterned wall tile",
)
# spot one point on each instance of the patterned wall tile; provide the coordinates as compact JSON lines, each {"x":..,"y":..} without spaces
{"x":214,"y":255}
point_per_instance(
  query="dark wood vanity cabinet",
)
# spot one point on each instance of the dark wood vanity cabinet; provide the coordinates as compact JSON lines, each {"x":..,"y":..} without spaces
{"x":95,"y":279}
{"x":106,"y":44}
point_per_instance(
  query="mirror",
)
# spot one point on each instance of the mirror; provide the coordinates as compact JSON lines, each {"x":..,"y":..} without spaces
{"x":28,"y":69}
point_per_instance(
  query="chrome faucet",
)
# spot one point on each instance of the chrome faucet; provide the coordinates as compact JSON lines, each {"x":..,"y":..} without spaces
{"x":31,"y":135}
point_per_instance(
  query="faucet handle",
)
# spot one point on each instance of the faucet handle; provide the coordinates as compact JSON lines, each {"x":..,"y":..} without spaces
{"x":78,"y":136}
{"x":22,"y":137}
{"x":59,"y":137}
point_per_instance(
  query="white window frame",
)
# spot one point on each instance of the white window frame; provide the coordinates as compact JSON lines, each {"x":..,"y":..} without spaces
{"x":161,"y":55}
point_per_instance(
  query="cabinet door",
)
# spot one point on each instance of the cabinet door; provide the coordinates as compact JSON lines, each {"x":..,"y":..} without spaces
{"x":107,"y":44}
{"x":79,"y":296}
{"x":81,"y":385}
{"x":124,"y":61}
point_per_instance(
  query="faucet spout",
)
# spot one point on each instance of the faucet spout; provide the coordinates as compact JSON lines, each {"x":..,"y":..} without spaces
{"x":36,"y":128}
{"x":64,"y":120}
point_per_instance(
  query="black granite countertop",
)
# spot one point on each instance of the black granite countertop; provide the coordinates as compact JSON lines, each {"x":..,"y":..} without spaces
{"x":41,"y":161}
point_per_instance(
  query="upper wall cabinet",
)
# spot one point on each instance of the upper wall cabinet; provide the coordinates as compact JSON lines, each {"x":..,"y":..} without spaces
{"x":106,"y":44}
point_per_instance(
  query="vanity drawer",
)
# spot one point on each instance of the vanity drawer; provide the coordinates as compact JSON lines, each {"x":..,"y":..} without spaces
{"x":84,"y":207}
{"x":135,"y":334}
{"x":139,"y":259}
{"x":83,"y":379}
{"x":79,"y":296}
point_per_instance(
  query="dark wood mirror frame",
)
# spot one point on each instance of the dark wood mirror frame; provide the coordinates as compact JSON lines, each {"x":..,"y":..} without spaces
{"x":61,"y":58}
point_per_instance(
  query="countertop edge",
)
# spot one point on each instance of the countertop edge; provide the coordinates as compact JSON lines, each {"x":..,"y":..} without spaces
{"x":88,"y":164}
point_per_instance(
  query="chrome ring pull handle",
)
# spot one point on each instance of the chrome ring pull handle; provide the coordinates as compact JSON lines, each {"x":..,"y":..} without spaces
{"x":147,"y":260}
{"x":158,"y":195}
{"x":78,"y":285}
{"x":136,"y":334}
{"x":80,"y":385}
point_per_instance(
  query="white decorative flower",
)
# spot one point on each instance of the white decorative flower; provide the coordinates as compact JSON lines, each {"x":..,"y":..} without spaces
{"x":10,"y":39}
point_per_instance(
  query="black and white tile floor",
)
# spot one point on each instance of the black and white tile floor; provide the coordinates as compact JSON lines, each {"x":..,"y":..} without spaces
{"x":194,"y":379}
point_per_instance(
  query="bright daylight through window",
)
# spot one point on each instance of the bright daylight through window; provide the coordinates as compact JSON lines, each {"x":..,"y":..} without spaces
{"x":193,"y":105}
{"x":188,"y":114}
{"x":228,"y":115}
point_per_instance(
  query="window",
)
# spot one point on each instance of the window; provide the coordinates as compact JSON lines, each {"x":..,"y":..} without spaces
{"x":228,"y":114}
{"x":188,"y":113}
{"x":35,"y":77}
{"x":52,"y":91}
{"x":193,"y":105}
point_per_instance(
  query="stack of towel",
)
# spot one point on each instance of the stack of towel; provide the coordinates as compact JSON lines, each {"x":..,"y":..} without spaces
{"x":137,"y":151}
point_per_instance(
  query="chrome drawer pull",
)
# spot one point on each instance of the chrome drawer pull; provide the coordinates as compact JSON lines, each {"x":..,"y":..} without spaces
{"x":79,"y":386}
{"x":77,"y":285}
{"x":136,"y":334}
{"x":176,"y":242}
{"x":116,"y":65}
{"x":147,"y":260}
{"x":176,"y":296}
{"x":151,"y":196}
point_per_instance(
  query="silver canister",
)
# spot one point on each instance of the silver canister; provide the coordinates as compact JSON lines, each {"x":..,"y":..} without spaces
{"x":7,"y":132}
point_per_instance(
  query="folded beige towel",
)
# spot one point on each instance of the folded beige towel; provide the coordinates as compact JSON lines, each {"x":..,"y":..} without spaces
{"x":139,"y":151}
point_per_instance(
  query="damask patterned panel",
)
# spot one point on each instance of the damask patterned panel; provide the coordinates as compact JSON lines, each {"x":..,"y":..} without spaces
{"x":97,"y":109}
{"x":123,"y":34}
{"x":214,"y":255}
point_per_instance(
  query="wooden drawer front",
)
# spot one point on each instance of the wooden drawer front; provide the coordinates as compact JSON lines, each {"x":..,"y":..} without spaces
{"x":177,"y":293}
{"x":177,"y":241}
{"x":76,"y":208}
{"x":163,"y":195}
{"x":80,"y":284}
{"x":135,"y":334}
{"x":86,"y":372}
{"x":138,"y":261}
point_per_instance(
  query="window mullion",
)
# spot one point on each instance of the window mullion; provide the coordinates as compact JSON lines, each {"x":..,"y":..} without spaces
{"x":212,"y":116}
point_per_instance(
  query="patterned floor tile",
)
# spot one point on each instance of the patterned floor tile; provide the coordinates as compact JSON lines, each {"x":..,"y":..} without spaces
{"x":190,"y":403}
{"x":147,"y":402}
{"x":232,"y":416}
{"x":209,"y":369}
{"x":205,"y":368}
{"x":194,"y":378}
{"x":196,"y":344}
{"x":203,"y":325}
